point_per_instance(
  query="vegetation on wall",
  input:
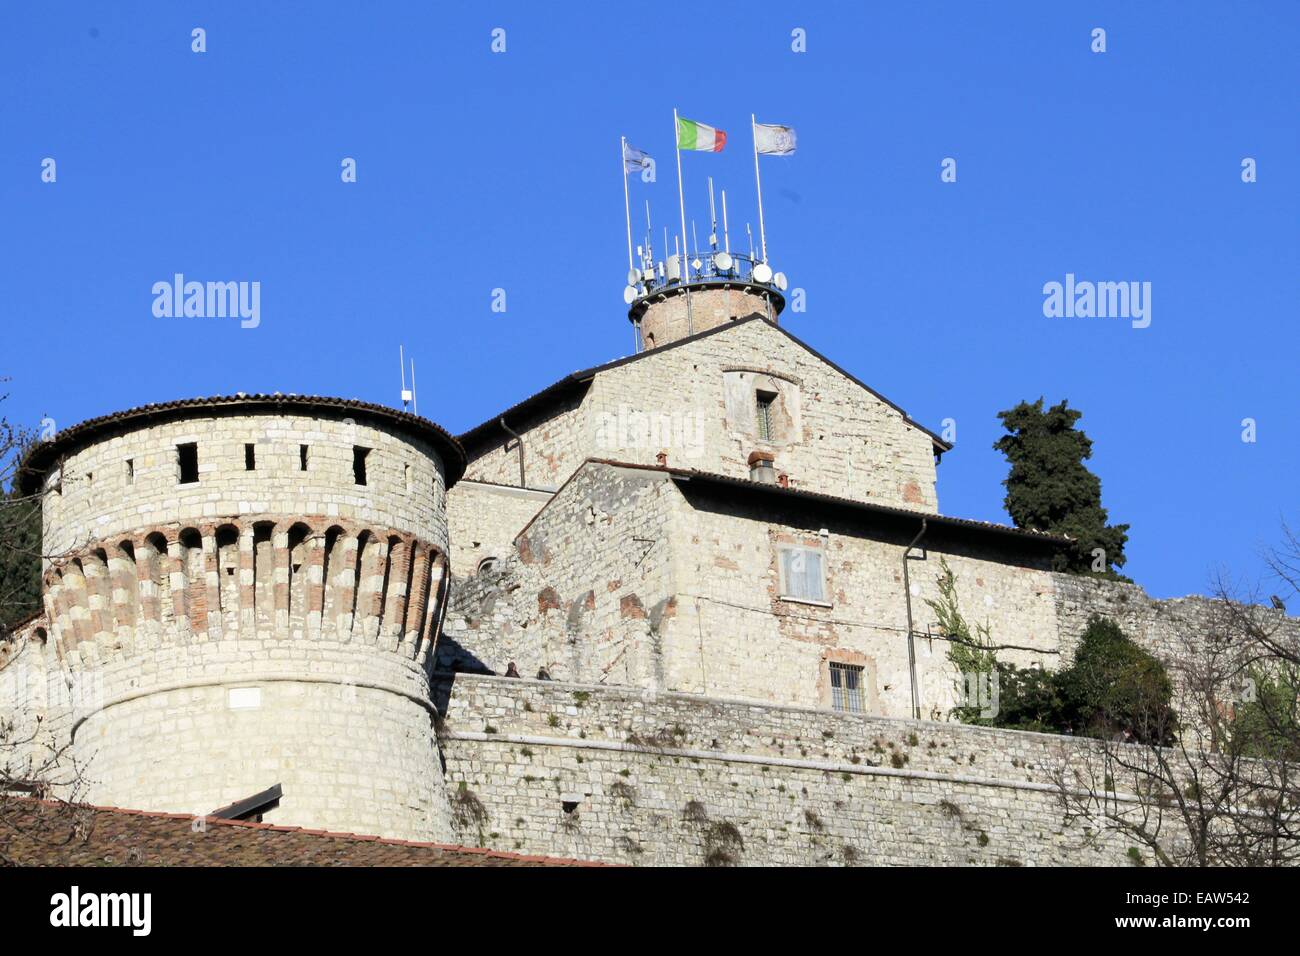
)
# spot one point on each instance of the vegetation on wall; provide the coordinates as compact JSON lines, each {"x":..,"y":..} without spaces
{"x":1113,"y":687}
{"x":1050,"y":488}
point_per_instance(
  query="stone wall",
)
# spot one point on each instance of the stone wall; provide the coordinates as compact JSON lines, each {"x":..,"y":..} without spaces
{"x":664,"y":315}
{"x":484,"y":520}
{"x":131,"y":479}
{"x":586,"y":592}
{"x":627,"y":577}
{"x":694,"y":403}
{"x":635,"y":777}
{"x":270,"y":622}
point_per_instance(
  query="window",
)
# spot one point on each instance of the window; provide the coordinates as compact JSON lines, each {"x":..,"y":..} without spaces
{"x":130,"y":471}
{"x":846,"y":688}
{"x":187,"y":457}
{"x":302,"y":457}
{"x":803,"y":576}
{"x":250,"y":457}
{"x":359,"y":464}
{"x":763,"y":415}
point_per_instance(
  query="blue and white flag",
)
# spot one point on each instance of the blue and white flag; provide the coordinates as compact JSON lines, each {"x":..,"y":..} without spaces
{"x":635,"y":160}
{"x":774,"y":140}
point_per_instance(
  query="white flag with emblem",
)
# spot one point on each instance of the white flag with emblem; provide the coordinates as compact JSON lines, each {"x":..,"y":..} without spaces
{"x":774,"y":140}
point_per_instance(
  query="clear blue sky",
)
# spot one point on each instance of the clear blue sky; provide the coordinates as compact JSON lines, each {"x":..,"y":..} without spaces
{"x":479,"y":171}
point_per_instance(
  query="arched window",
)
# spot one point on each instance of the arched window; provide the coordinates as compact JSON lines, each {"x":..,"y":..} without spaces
{"x":489,"y":564}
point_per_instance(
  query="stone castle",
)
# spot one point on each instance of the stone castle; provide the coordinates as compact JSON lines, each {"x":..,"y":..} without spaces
{"x":709,"y":564}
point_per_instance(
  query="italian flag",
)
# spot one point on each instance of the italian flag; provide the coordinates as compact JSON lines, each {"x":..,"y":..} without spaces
{"x":693,"y":135}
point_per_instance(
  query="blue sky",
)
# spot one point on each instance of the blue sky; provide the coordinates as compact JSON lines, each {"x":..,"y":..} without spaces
{"x":479,"y":171}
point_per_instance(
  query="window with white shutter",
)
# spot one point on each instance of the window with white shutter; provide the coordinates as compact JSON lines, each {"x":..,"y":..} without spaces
{"x":803,"y":574}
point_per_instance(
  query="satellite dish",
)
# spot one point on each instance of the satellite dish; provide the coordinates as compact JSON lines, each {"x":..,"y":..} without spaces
{"x":780,"y":281}
{"x":633,"y":277}
{"x":722,"y":261}
{"x":762,"y":272}
{"x":629,"y":295}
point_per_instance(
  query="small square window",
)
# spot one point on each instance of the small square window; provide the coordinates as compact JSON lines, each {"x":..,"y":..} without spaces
{"x":803,"y":574}
{"x":846,"y":688}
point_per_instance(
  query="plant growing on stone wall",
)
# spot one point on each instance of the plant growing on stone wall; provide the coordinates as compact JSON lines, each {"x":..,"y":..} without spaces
{"x":695,"y":813}
{"x":467,"y":810}
{"x":723,"y":844}
{"x":1218,"y":784}
{"x":970,"y":651}
{"x":625,"y":793}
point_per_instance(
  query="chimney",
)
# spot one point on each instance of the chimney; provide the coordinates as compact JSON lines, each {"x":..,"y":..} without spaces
{"x":762,"y":467}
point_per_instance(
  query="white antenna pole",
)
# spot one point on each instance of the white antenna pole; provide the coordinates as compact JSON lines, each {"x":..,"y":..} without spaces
{"x":681,"y":203}
{"x":406,"y":396}
{"x":750,"y":232}
{"x":627,"y":208}
{"x":415,"y":399}
{"x":713,"y":218}
{"x":695,"y":240}
{"x":726,"y":238}
{"x":649,"y":231}
{"x":762,"y":232}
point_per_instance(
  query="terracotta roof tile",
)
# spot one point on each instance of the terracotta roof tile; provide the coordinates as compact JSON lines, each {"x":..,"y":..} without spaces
{"x":50,"y":833}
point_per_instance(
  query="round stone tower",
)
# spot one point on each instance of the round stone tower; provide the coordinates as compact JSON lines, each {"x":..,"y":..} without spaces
{"x":247,"y":590}
{"x":722,"y":287}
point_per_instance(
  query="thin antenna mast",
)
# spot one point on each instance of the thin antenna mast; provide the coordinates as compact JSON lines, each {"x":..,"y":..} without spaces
{"x":627,"y":209}
{"x":401,"y":359}
{"x":681,"y":204}
{"x":415,"y":402}
{"x":762,"y":233}
{"x":713,"y":218}
{"x":726,"y":238}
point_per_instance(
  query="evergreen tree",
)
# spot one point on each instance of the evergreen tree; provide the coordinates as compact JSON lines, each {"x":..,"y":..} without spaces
{"x":1050,"y":488}
{"x":20,"y":558}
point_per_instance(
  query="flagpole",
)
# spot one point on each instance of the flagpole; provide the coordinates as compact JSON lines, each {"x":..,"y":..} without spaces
{"x":627,"y":208}
{"x":681,"y":202}
{"x":762,"y":232}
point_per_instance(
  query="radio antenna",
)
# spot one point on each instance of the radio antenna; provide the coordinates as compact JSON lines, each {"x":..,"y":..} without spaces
{"x":401,"y":358}
{"x":713,"y":218}
{"x":726,"y":239}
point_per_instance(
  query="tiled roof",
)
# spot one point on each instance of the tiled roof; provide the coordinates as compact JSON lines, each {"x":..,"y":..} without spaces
{"x":575,"y":382}
{"x":49,"y":833}
{"x":1039,"y":539}
{"x":44,"y":454}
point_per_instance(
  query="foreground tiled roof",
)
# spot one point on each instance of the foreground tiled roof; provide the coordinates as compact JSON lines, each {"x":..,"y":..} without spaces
{"x":48,"y":833}
{"x":45,"y":454}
